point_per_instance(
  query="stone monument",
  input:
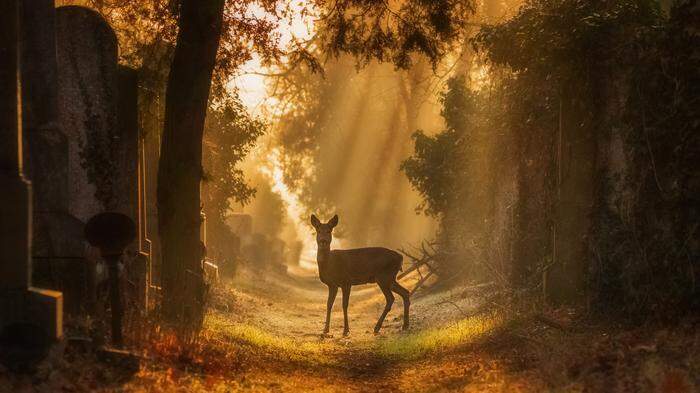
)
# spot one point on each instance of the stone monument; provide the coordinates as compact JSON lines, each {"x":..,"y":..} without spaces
{"x":28,"y":316}
{"x":58,"y":247}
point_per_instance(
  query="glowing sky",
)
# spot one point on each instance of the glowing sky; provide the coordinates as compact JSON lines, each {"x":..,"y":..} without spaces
{"x":251,"y":87}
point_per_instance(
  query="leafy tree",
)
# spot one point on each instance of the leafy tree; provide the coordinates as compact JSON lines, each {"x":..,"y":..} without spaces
{"x":610,"y":83}
{"x":393,"y":31}
{"x":229,"y":135}
{"x":450,"y":170}
{"x":439,"y":161}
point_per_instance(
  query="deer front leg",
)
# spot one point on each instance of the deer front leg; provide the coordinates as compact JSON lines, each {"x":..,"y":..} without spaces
{"x":346,"y":301}
{"x":332,"y":291}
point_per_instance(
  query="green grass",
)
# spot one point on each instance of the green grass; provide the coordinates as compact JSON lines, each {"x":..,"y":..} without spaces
{"x":415,"y":345}
{"x":408,"y":346}
{"x":313,"y":352}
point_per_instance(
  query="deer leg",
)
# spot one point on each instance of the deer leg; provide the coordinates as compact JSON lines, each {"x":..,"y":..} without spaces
{"x":386,"y":290}
{"x":405,"y":295}
{"x":346,"y":301}
{"x":332,"y":291}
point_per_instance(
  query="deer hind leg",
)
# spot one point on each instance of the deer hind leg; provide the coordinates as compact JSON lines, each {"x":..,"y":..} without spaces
{"x":385,"y":286}
{"x":346,"y":301}
{"x":332,"y":291}
{"x":405,"y":295}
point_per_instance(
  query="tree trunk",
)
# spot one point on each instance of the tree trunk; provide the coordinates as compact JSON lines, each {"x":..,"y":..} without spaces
{"x":180,"y":169}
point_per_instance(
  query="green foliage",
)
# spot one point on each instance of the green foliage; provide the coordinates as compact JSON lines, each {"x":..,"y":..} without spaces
{"x":558,"y":38}
{"x":373,"y":30}
{"x":438,"y":164}
{"x":620,"y":71}
{"x":450,"y":170}
{"x":144,"y":27}
{"x":631,"y":73}
{"x":230,"y":133}
{"x":647,"y":244}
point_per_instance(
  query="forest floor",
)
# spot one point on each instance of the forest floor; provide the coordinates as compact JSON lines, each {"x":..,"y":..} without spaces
{"x":263,"y":334}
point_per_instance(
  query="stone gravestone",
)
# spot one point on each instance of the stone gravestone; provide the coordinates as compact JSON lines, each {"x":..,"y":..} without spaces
{"x":98,"y":109}
{"x":87,"y":106}
{"x":46,"y":144}
{"x":30,"y":318}
{"x":86,"y":50}
{"x":58,"y":247}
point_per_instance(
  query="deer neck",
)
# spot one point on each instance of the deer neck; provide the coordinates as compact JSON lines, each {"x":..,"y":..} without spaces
{"x":323,"y":255}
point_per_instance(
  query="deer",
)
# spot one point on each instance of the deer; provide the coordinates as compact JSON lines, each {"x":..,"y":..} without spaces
{"x":345,"y":268}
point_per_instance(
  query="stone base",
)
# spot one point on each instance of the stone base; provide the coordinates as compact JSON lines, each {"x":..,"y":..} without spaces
{"x":125,"y":361}
{"x":34,"y":306}
{"x":30,"y":322}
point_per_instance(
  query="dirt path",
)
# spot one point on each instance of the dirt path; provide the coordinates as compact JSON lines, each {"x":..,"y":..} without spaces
{"x":263,"y":335}
{"x":460,"y":340}
{"x":274,"y":325}
{"x":295,"y":307}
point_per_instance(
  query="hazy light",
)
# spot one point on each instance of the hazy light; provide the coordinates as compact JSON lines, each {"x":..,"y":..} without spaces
{"x":251,"y":85}
{"x":295,"y":210}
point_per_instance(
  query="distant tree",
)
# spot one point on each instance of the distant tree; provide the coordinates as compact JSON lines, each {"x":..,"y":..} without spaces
{"x":229,"y":135}
{"x":268,"y":208}
{"x":438,"y":164}
{"x":450,"y":171}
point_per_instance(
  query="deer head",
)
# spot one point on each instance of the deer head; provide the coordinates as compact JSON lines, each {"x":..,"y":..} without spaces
{"x":324,"y":232}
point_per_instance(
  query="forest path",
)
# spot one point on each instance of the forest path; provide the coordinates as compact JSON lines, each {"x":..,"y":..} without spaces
{"x":274,"y":322}
{"x":262,"y":334}
{"x":464,"y":339}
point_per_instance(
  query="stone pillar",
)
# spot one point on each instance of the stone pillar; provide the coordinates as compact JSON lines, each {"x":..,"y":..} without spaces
{"x":151,"y":153}
{"x":127,"y":177}
{"x":20,"y":304}
{"x":15,"y":237}
{"x":127,"y":143}
{"x":144,"y":241}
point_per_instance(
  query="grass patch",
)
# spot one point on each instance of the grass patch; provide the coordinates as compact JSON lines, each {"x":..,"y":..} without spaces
{"x":266,"y":343}
{"x":415,"y":345}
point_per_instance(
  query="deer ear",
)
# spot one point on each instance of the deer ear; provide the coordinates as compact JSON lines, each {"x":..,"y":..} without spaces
{"x":333,"y":222}
{"x":314,"y":221}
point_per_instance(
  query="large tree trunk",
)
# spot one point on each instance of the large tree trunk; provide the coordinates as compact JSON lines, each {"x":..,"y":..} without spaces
{"x":180,"y":169}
